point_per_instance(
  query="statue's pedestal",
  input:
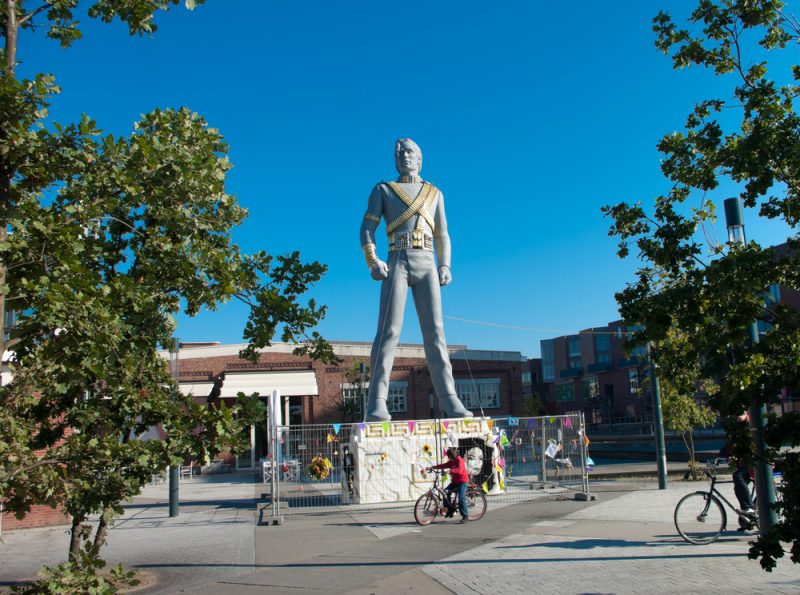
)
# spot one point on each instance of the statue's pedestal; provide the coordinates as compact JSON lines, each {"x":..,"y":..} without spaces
{"x":385,"y":461}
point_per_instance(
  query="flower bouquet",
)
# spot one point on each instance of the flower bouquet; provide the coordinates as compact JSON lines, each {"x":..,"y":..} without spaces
{"x":319,"y":468}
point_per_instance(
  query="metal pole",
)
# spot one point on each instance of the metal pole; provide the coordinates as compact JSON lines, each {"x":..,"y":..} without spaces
{"x":362,"y":372}
{"x":173,"y":490}
{"x":658,"y":422}
{"x":765,"y":484}
{"x":174,"y":478}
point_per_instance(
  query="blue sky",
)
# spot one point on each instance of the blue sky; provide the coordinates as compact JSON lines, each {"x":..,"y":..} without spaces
{"x":531,"y":117}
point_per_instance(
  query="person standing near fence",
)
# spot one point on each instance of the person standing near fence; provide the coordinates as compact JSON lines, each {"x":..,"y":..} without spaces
{"x":459,"y":481}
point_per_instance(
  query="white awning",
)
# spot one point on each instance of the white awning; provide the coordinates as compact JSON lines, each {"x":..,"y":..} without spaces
{"x":196,"y":389}
{"x":289,"y":384}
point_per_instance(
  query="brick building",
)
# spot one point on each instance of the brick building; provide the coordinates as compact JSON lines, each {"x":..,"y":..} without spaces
{"x":590,"y":372}
{"x":312,"y":392}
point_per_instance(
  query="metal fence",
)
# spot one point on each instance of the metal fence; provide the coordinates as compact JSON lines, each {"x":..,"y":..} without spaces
{"x":316,"y":468}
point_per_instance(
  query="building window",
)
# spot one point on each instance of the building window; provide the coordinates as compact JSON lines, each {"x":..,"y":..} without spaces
{"x":591,"y":388}
{"x":574,"y":352}
{"x":396,"y":401}
{"x":602,"y":348}
{"x":526,"y":379}
{"x":633,"y":380}
{"x":479,"y":393}
{"x":565,"y":392}
{"x":639,"y":351}
{"x":548,"y":361}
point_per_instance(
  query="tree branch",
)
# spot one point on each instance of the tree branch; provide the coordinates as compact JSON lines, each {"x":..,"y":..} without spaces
{"x":33,"y":13}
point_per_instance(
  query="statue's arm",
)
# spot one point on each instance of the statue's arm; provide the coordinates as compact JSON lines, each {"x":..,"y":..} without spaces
{"x":369,"y":224}
{"x":441,"y":242}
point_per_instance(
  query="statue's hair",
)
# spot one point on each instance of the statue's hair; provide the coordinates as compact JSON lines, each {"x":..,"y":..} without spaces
{"x":413,"y":144}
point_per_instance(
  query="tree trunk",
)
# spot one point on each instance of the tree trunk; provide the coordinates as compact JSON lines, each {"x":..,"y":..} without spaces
{"x":75,"y":539}
{"x":102,"y":530}
{"x":6,"y":173}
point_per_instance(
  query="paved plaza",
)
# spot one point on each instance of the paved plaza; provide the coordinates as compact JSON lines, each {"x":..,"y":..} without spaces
{"x":622,"y":542}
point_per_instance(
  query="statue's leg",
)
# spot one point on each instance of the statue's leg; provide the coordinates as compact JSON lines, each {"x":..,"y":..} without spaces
{"x":428,"y":302}
{"x":394,"y":290}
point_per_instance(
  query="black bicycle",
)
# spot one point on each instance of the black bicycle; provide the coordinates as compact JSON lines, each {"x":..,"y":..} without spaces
{"x":700,"y":517}
{"x":438,"y":501}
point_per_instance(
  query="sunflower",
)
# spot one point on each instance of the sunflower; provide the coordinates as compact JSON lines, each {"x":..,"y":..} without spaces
{"x":426,"y":449}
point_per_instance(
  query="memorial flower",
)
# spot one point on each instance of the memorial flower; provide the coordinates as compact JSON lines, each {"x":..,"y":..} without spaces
{"x":319,"y":468}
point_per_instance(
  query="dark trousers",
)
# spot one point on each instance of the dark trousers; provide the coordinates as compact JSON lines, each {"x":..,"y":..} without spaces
{"x":462,"y":496}
{"x":741,"y":487}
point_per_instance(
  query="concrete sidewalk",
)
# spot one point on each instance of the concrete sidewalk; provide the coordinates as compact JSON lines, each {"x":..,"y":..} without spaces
{"x":623,"y":542}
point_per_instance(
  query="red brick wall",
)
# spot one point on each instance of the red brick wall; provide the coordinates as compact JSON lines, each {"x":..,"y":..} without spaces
{"x":325,"y":408}
{"x":39,"y":516}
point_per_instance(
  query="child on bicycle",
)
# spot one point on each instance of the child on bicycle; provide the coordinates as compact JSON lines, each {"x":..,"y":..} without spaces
{"x":459,"y":481}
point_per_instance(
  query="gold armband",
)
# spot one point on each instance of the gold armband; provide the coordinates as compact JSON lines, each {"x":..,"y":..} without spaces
{"x":369,"y":254}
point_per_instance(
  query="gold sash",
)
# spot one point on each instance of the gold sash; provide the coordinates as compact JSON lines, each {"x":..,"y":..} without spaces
{"x":416,"y":206}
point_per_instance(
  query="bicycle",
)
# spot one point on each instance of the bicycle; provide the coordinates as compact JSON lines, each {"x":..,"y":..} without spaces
{"x":700,"y":517}
{"x":438,"y":501}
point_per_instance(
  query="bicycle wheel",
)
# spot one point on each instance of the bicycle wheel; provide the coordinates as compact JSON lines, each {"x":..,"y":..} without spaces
{"x":477,"y":504}
{"x":426,"y":508}
{"x":700,"y":518}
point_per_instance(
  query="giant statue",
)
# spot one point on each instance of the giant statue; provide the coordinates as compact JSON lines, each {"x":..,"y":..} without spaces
{"x":416,"y":227}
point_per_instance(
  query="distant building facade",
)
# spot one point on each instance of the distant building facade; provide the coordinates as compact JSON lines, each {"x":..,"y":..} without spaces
{"x":492,"y":383}
{"x":590,"y":372}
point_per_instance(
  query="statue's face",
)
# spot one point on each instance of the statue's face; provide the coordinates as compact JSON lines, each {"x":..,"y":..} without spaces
{"x":407,"y":159}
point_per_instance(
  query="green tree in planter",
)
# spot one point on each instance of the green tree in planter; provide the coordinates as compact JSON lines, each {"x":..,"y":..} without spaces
{"x":133,"y":229}
{"x":679,"y":381}
{"x":712,"y":296}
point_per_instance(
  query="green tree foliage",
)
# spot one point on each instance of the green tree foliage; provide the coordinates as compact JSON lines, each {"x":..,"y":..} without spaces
{"x":712,"y":295}
{"x":680,"y":380}
{"x":103,"y":240}
{"x":352,"y":411}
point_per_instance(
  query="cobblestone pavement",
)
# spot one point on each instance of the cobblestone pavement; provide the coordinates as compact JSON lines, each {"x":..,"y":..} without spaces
{"x":620,"y":546}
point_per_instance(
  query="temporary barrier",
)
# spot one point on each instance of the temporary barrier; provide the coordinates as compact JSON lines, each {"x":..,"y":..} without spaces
{"x":313,"y":468}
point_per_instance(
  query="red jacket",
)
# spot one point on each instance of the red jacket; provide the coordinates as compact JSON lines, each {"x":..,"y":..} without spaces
{"x":458,"y":470}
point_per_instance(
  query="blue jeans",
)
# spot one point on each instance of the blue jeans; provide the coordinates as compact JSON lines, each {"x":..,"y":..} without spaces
{"x":463,"y":508}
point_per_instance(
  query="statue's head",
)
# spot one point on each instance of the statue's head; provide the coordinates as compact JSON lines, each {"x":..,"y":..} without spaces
{"x":407,"y":157}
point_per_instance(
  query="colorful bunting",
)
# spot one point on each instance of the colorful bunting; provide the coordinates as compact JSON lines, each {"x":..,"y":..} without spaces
{"x":567,"y":423}
{"x":330,"y":438}
{"x":361,"y":426}
{"x":513,"y":421}
{"x":531,"y":422}
{"x":445,"y":424}
{"x":503,"y":440}
{"x":336,"y":428}
{"x":490,"y":423}
{"x":385,"y":426}
{"x":411,"y":426}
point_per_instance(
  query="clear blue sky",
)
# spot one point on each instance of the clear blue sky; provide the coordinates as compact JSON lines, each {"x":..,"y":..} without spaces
{"x":530,"y":115}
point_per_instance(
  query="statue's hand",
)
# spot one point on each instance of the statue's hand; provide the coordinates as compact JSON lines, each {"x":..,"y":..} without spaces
{"x":444,"y":275}
{"x":379,"y":270}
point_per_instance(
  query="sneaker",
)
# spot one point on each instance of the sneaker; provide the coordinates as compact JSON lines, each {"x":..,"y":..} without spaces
{"x":464,"y":519}
{"x":749,"y":512}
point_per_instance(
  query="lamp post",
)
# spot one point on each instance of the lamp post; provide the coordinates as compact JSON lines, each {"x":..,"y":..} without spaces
{"x":658,"y":423}
{"x":174,"y":479}
{"x":765,"y":485}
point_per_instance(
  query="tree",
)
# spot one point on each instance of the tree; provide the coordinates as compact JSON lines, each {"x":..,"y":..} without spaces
{"x":353,"y":411}
{"x":713,"y":295}
{"x":533,"y":405}
{"x":102,"y":240}
{"x":679,"y":381}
